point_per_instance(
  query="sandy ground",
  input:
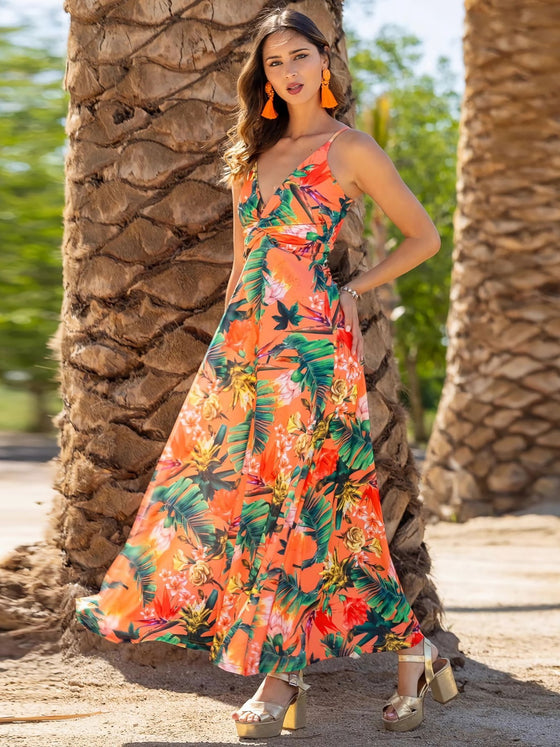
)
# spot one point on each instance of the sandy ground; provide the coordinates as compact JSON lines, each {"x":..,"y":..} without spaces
{"x":499,"y":579}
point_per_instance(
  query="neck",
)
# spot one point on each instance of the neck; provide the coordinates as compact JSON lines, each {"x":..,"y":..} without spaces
{"x":307,"y":120}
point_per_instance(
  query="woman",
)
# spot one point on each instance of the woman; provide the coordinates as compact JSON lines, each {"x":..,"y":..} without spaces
{"x":260,"y":537}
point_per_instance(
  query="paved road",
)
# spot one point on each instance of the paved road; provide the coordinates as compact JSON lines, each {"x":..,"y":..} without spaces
{"x":25,"y":499}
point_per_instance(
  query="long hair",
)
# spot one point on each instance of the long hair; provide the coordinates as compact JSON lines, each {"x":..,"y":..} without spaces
{"x":252,"y":134}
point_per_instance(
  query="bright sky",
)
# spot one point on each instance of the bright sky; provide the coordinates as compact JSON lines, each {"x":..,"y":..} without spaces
{"x":438,"y":23}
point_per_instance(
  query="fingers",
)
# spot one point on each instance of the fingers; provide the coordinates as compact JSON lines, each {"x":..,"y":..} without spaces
{"x":352,"y":324}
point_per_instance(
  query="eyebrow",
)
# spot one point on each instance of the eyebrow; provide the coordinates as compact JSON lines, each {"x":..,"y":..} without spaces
{"x":277,"y":56}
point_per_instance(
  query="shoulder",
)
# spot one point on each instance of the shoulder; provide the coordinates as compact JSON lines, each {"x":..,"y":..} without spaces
{"x":358,"y":144}
{"x":363,"y":157}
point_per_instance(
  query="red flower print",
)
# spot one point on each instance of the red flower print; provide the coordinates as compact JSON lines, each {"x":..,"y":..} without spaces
{"x":355,"y":612}
{"x":239,"y":331}
{"x":326,"y":463}
{"x":164,"y":608}
{"x":324,"y":622}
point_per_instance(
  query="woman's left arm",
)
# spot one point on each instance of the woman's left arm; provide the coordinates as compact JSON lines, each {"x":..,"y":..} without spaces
{"x":373,"y":172}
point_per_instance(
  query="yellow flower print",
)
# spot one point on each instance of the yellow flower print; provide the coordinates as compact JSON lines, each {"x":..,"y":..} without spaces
{"x":203,"y":454}
{"x":235,"y":584}
{"x":195,"y":616}
{"x":320,"y":432}
{"x":280,"y":491}
{"x":302,"y":445}
{"x":216,"y":645}
{"x":295,"y":423}
{"x":349,"y":497}
{"x":354,"y":539}
{"x":374,"y":545}
{"x":243,"y":384}
{"x":200,"y":573}
{"x":334,"y":572}
{"x":392,"y":643}
{"x":211,"y":407}
{"x":339,"y":391}
{"x":196,"y":395}
{"x":180,"y":561}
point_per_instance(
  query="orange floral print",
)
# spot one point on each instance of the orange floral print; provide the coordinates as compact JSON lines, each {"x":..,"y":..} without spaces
{"x":260,"y":537}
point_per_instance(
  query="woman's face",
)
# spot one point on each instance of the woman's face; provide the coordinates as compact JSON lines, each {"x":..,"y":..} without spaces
{"x":293,"y":65}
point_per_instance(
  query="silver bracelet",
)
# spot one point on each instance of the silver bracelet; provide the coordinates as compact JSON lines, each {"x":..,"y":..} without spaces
{"x":351,"y":291}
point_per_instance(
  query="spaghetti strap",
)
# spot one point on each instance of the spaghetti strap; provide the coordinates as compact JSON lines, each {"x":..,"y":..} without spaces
{"x":338,"y":133}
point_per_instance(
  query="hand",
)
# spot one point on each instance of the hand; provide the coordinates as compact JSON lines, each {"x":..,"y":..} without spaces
{"x":352,"y":324}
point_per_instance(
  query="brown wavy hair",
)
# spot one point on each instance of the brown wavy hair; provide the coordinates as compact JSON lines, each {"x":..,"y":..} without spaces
{"x":252,"y":134}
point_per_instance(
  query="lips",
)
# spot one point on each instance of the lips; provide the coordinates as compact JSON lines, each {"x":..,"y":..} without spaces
{"x":295,"y":88}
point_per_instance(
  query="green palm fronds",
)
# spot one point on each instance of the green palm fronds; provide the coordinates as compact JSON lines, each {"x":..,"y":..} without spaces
{"x":186,"y":507}
{"x":336,"y":645}
{"x":314,"y":359}
{"x":237,"y":439}
{"x":383,"y":595}
{"x":255,"y":270}
{"x":90,"y":619}
{"x":355,"y":450}
{"x":317,"y":516}
{"x":265,"y":404}
{"x":289,"y":595}
{"x":132,"y":634}
{"x":143,"y":568}
{"x":253,"y":523}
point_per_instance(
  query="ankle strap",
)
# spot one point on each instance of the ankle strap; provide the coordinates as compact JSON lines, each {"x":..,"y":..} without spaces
{"x":427,"y":659}
{"x":292,"y":678}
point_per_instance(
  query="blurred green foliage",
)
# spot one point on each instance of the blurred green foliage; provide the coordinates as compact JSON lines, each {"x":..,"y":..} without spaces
{"x":421,"y":139}
{"x":33,"y":107}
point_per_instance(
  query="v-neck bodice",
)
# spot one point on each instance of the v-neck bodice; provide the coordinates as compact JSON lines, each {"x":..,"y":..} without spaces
{"x":309,"y":195}
{"x":300,"y":165}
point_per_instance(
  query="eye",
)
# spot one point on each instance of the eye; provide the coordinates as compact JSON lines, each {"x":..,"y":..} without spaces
{"x":301,"y":54}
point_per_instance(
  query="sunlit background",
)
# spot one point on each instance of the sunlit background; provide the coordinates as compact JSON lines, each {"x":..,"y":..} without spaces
{"x":406,"y":61}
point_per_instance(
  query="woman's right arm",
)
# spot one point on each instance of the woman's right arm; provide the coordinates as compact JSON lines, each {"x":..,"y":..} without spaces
{"x":238,"y":245}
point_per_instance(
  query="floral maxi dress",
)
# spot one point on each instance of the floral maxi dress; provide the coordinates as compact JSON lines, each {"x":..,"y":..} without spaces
{"x":260,"y":537}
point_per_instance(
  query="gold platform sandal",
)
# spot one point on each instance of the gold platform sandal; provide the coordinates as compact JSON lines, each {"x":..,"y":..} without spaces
{"x":274,"y":717}
{"x":441,"y":682}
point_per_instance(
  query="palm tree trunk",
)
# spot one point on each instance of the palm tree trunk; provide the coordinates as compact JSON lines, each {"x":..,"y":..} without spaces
{"x":147,"y":256}
{"x":495,"y":445}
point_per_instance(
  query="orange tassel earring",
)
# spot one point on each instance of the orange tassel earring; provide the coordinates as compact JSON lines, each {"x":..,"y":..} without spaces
{"x":269,"y":112}
{"x":328,"y":101}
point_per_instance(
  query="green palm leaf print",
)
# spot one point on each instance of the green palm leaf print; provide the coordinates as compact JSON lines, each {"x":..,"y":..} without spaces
{"x":143,"y":567}
{"x":265,"y":404}
{"x":254,"y":274}
{"x":355,"y":450}
{"x":215,"y":354}
{"x":336,"y":645}
{"x":186,"y":507}
{"x":383,"y":595}
{"x":253,"y":523}
{"x":290,"y":596}
{"x":237,"y":439}
{"x":314,"y":359}
{"x":316,"y":515}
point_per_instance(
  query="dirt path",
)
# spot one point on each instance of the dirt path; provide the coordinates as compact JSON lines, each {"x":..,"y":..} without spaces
{"x":499,"y":578}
